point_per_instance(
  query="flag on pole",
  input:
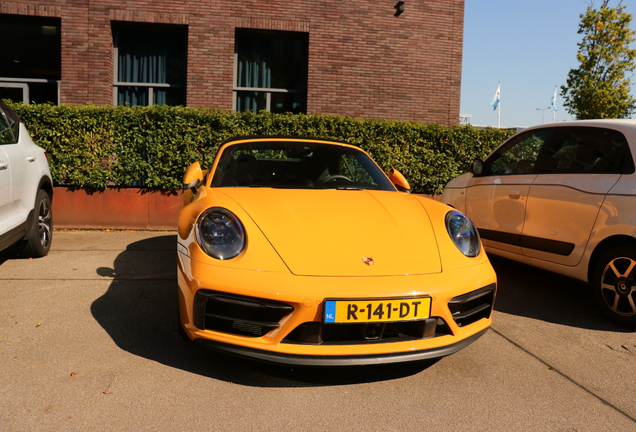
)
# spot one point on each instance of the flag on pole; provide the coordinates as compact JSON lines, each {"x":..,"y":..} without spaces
{"x":553,"y":100}
{"x":496,"y":98}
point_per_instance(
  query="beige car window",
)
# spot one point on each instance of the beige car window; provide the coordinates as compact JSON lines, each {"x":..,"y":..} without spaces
{"x":580,"y":150}
{"x":520,"y":156}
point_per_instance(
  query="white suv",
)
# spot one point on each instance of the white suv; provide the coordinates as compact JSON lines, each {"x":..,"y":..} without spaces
{"x":562,"y":197}
{"x":26,"y":189}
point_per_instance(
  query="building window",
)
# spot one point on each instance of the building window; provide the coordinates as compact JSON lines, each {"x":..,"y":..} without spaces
{"x":270,"y":71}
{"x":150,"y":64}
{"x":31,"y":60}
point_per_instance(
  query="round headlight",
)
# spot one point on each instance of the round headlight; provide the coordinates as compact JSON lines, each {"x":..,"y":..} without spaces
{"x":463,"y":233}
{"x":220,"y":233}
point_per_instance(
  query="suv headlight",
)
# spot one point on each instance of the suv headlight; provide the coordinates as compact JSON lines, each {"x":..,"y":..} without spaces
{"x":220,"y":233}
{"x":463,"y":233}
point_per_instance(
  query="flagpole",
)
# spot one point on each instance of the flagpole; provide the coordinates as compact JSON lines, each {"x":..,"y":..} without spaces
{"x":496,"y":105}
{"x":553,"y":103}
{"x":554,"y":110}
{"x":499,"y":115}
{"x":499,"y":106}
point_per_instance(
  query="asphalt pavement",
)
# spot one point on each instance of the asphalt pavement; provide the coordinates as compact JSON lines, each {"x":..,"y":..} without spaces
{"x":89,"y":341}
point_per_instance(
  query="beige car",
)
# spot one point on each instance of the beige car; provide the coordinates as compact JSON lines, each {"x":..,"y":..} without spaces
{"x":562,"y":197}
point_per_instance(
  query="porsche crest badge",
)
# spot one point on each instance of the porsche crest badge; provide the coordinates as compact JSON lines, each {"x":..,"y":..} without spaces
{"x":367,"y":260}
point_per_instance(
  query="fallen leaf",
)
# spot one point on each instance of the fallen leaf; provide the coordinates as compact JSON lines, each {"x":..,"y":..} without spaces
{"x":73,"y":373}
{"x":106,"y":392}
{"x":38,"y":324}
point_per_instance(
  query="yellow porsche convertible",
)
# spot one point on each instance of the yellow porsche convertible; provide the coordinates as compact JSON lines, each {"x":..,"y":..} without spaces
{"x":304,"y":252}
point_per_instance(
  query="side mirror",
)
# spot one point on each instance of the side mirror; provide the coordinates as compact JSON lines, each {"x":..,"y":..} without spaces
{"x":477,"y":168}
{"x":399,"y":181}
{"x":193,"y":177}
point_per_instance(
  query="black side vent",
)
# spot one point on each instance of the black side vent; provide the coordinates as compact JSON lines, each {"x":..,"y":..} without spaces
{"x":472,"y":307}
{"x":240,"y":315}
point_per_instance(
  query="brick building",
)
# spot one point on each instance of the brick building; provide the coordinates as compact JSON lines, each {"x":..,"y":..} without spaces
{"x":358,"y":58}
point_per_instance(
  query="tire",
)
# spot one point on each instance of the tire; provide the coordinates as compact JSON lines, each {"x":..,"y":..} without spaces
{"x":38,"y":241}
{"x":614,"y":284}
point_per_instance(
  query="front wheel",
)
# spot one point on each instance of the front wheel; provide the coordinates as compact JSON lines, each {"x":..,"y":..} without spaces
{"x":614,"y":284}
{"x":38,"y":241}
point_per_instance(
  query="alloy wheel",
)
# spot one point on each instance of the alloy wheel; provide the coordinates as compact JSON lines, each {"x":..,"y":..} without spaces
{"x":44,"y":223}
{"x":617,"y":286}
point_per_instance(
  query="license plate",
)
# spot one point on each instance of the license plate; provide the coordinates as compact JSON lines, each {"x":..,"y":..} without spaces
{"x":371,"y":311}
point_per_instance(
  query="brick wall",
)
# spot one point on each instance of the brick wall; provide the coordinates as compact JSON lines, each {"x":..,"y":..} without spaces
{"x":363,"y":61}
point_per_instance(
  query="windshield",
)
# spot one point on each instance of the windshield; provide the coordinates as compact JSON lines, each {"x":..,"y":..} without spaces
{"x":298,"y":165}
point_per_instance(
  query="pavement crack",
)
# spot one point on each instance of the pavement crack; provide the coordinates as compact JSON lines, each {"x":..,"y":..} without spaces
{"x":623,"y":349}
{"x":567,"y":377}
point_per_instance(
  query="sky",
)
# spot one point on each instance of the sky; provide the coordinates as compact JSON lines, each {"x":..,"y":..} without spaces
{"x":528,"y":46}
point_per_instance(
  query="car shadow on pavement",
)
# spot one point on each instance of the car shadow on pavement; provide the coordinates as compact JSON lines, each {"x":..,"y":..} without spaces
{"x":140,"y":313}
{"x":13,"y":252}
{"x":527,"y":291}
{"x":5,"y":256}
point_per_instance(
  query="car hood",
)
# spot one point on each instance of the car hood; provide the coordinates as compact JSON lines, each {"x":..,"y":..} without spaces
{"x":343,"y":232}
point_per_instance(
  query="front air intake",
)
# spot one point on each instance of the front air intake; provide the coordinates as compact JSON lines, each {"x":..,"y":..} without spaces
{"x":472,"y":307}
{"x":234,"y":314}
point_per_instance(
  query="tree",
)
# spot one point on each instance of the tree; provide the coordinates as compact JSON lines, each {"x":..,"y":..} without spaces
{"x":600,"y":87}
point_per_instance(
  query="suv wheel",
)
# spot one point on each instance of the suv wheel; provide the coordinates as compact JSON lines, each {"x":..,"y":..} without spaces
{"x":38,"y":242}
{"x":614,"y":285}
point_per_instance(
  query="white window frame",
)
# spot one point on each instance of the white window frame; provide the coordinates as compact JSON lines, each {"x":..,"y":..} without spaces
{"x":267,"y":90}
{"x":23,"y":83}
{"x":150,"y":86}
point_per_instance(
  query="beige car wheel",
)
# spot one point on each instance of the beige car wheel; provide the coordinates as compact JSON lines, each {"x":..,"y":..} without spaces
{"x":614,"y":285}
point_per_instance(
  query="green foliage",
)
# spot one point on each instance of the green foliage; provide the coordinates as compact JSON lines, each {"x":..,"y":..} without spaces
{"x":600,"y":86}
{"x":97,"y":147}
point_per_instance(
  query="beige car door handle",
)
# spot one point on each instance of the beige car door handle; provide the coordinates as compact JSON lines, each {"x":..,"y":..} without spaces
{"x":3,"y":165}
{"x":30,"y":158}
{"x":514,"y":194}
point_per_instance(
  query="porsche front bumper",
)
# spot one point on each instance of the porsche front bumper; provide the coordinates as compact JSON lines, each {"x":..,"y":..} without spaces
{"x":462,"y":301}
{"x":340,"y":360}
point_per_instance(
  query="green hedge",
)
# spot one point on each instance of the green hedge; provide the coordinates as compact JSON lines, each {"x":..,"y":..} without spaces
{"x":95,"y":147}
